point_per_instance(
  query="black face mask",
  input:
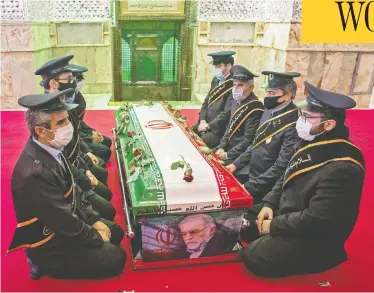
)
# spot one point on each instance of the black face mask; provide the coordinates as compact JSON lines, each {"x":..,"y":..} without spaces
{"x":272,"y":102}
{"x":65,"y":86}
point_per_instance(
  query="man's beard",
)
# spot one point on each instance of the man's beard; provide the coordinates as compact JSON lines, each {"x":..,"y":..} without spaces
{"x":197,"y":246}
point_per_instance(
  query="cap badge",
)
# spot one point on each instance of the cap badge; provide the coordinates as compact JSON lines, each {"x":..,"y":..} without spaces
{"x":271,"y":76}
{"x":62,"y":99}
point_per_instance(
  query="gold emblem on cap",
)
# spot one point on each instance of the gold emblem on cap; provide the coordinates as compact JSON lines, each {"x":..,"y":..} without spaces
{"x":271,"y":76}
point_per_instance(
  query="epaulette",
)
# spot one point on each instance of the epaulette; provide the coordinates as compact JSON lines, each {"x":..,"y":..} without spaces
{"x":37,"y":167}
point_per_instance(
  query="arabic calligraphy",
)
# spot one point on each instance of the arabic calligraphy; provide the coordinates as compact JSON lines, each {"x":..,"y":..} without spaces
{"x":295,"y":163}
{"x":237,"y":117}
{"x":152,"y":5}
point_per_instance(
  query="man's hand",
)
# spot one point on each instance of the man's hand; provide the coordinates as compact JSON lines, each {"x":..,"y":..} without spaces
{"x":265,"y":214}
{"x":92,"y":178}
{"x":219,"y":151}
{"x":266,"y":227}
{"x":104,"y":236}
{"x":222,"y":156}
{"x":231,"y":168}
{"x":93,"y":158}
{"x":100,"y":226}
{"x":96,"y":136}
{"x":202,"y":126}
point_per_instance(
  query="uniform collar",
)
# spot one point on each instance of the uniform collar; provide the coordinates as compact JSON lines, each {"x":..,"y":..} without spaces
{"x":272,"y":111}
{"x":55,"y":153}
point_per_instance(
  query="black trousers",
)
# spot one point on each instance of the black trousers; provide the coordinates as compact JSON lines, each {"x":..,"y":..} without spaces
{"x":280,"y":256}
{"x":98,"y":170}
{"x":84,"y":262}
{"x":101,"y":149}
{"x":103,"y":191}
{"x":101,"y":205}
{"x":211,"y":139}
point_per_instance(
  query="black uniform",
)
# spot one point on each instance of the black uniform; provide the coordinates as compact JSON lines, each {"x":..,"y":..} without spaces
{"x":102,"y":150}
{"x":216,"y":111}
{"x":76,"y":151}
{"x":264,"y":161}
{"x":316,"y":202}
{"x":216,"y":107}
{"x":238,"y":136}
{"x":55,"y":221}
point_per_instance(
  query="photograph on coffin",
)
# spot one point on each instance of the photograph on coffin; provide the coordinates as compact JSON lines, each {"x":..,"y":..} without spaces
{"x":190,"y":236}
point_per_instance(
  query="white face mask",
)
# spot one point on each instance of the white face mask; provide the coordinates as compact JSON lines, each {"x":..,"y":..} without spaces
{"x":218,"y":73}
{"x":70,"y":99}
{"x":303,"y":129}
{"x":237,"y":94}
{"x":79,"y":86}
{"x":62,"y":137}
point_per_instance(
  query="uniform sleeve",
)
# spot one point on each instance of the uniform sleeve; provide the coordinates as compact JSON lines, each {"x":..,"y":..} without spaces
{"x":86,"y":136}
{"x":83,"y":146}
{"x":336,"y":195}
{"x":204,"y":108}
{"x":223,"y":118}
{"x":46,"y":201}
{"x":271,"y":200}
{"x":82,"y":166}
{"x":86,"y":129}
{"x":224,"y":142}
{"x":244,"y":159}
{"x":91,"y":216}
{"x":251,"y":125}
{"x":258,"y":186}
{"x":82,"y":180}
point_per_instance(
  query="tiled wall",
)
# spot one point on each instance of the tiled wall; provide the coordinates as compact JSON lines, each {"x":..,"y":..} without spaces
{"x":278,"y":47}
{"x":25,"y":46}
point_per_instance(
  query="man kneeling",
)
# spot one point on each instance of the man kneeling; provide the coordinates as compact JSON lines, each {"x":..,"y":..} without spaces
{"x":63,"y":236}
{"x":311,"y":211}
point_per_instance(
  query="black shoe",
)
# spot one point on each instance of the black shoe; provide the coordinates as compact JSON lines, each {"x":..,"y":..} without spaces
{"x":35,"y":272}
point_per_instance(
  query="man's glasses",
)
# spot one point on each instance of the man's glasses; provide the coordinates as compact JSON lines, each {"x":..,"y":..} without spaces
{"x":193,"y":233}
{"x":305,"y":116}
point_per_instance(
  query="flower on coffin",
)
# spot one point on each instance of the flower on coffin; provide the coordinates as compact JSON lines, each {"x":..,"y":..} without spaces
{"x":136,"y":160}
{"x":125,"y":118}
{"x":125,"y":121}
{"x":138,"y":152}
{"x":125,"y":107}
{"x":130,"y":133}
{"x":205,"y":150}
{"x":214,"y":158}
{"x":187,"y":177}
{"x":187,"y":169}
{"x":146,"y":103}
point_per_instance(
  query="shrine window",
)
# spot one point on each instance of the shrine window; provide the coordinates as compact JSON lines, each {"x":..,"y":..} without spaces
{"x":170,"y":60}
{"x":126,"y":61}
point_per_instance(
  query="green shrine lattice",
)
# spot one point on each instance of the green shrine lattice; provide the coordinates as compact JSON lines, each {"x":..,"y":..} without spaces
{"x":126,"y":61}
{"x":150,"y":52}
{"x":170,"y":53}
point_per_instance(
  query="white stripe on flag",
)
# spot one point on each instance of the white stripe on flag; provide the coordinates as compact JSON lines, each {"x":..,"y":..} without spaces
{"x":167,"y":146}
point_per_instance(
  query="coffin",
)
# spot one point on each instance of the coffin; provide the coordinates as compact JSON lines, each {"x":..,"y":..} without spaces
{"x":179,"y":199}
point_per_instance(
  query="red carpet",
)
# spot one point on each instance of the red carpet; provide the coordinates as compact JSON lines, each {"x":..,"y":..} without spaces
{"x":353,"y":275}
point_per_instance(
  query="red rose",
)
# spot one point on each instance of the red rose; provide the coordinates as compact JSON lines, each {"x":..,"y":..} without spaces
{"x":137,"y":152}
{"x":188,"y":177}
{"x":130,"y":133}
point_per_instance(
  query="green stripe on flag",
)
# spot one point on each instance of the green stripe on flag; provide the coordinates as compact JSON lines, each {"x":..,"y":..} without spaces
{"x":147,"y":193}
